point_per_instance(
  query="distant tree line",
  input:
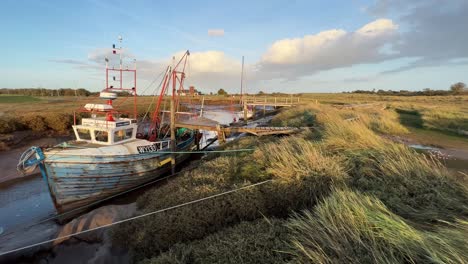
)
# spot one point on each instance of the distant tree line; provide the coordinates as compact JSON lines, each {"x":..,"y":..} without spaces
{"x":46,"y":92}
{"x":53,"y":92}
{"x":455,"y":89}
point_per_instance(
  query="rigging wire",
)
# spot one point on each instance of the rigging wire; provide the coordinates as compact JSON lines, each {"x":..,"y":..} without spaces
{"x":154,"y":93}
{"x":138,"y":217}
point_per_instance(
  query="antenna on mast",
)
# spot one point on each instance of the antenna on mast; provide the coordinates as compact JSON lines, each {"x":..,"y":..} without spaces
{"x":120,"y":56}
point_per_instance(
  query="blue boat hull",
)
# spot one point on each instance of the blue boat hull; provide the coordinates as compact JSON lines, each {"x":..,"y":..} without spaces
{"x":77,"y":181}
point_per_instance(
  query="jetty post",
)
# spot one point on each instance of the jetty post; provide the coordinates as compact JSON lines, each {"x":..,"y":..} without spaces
{"x":245,"y":113}
{"x":202,"y":106}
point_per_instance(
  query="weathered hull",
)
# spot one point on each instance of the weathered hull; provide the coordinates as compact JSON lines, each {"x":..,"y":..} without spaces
{"x":78,"y":180}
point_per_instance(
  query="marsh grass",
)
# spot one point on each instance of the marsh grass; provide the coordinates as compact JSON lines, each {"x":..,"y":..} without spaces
{"x":410,"y":183}
{"x":290,"y":191}
{"x":260,"y":241}
{"x":441,"y":118}
{"x":349,"y":227}
{"x":9,"y":124}
{"x":303,"y":174}
{"x":368,"y":200}
{"x":159,"y":232}
{"x":340,"y":134}
{"x":299,"y":116}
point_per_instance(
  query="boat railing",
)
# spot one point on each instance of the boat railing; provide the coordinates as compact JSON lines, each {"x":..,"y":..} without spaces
{"x":163,"y":144}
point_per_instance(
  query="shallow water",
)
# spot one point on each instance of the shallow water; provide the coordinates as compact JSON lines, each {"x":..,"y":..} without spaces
{"x":24,"y":201}
{"x":422,"y":147}
{"x":453,"y":163}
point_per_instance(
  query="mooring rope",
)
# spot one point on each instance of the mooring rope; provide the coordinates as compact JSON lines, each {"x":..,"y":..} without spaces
{"x":136,"y":217}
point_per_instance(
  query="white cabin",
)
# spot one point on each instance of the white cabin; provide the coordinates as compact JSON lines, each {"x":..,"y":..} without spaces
{"x":100,"y":131}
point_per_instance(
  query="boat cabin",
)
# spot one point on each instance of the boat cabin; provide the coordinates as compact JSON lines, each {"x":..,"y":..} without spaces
{"x":98,"y":130}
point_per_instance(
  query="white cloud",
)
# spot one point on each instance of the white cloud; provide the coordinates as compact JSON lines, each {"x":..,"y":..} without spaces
{"x":211,"y":70}
{"x":293,"y":58}
{"x":216,"y":32}
{"x":298,"y":50}
{"x":378,"y":27}
{"x":211,"y":62}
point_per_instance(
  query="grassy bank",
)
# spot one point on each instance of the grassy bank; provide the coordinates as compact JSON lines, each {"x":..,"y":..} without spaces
{"x":339,"y":193}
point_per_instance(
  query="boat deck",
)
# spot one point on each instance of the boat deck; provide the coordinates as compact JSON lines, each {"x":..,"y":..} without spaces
{"x":83,"y":144}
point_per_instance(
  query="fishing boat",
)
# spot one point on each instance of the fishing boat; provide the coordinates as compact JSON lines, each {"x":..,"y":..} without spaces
{"x":112,"y":153}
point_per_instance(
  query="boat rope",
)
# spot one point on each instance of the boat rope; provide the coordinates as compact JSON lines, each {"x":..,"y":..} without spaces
{"x":27,"y":155}
{"x":137,"y":217}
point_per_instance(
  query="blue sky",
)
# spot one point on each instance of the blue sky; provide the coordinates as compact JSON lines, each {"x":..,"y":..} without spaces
{"x":289,"y":46}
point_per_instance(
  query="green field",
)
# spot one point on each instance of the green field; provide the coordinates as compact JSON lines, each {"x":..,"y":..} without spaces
{"x":14,"y":99}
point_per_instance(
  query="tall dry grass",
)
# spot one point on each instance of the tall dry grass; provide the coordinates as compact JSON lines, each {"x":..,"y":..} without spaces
{"x":302,"y":172}
{"x":298,"y":116}
{"x":293,"y":188}
{"x":349,"y":227}
{"x":260,"y":241}
{"x":410,"y":183}
{"x":403,"y":207}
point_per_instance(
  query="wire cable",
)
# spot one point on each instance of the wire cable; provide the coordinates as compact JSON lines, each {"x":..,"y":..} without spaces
{"x":137,"y":217}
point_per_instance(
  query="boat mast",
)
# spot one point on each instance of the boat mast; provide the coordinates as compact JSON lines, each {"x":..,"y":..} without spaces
{"x":177,"y":77}
{"x":172,"y":123}
{"x":111,"y":88}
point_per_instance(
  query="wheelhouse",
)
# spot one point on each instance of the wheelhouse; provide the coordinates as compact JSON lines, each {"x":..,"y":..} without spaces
{"x":101,"y":131}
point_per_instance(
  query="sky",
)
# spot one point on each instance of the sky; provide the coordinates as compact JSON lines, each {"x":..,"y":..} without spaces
{"x":289,"y":46}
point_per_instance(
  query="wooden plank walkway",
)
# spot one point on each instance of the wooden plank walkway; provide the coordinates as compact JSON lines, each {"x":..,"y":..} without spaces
{"x":211,"y":125}
{"x":272,"y":101}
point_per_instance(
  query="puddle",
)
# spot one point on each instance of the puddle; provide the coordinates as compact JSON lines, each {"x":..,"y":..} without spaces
{"x":422,"y":147}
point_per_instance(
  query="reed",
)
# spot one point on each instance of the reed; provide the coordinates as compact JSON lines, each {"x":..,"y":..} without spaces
{"x":260,"y":241}
{"x":349,"y":227}
{"x":367,"y":199}
{"x":300,"y":116}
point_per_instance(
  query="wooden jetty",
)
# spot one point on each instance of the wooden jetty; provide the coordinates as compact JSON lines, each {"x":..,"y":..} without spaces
{"x":203,"y":123}
{"x":271,"y":101}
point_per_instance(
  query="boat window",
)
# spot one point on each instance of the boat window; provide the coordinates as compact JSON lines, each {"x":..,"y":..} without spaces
{"x":123,"y":134}
{"x":101,"y":136}
{"x":83,"y":133}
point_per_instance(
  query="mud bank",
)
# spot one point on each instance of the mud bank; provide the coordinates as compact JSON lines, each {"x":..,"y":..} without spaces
{"x":454,"y":153}
{"x":94,"y":246}
{"x":9,"y":158}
